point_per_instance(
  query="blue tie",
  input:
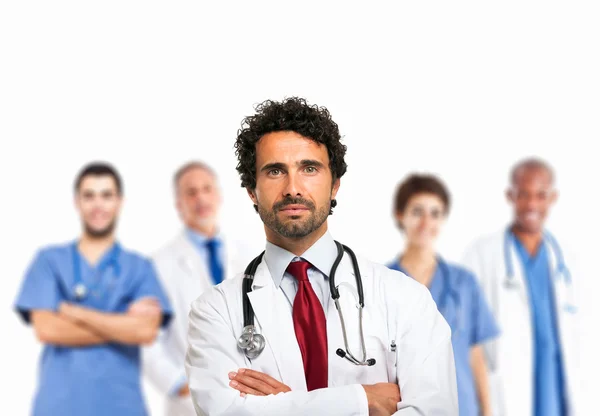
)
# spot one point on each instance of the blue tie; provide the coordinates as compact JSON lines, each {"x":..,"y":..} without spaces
{"x":216,"y":269}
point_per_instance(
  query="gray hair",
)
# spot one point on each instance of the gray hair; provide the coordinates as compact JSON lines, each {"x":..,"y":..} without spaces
{"x":195,"y":164}
{"x":531,"y":163}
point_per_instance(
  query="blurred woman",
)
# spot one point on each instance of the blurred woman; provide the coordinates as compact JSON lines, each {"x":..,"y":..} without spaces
{"x":421,"y":206}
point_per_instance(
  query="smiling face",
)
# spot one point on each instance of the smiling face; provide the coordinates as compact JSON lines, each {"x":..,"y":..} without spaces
{"x":294,"y":185}
{"x":422,"y":219}
{"x":98,"y":202}
{"x":531,"y":195}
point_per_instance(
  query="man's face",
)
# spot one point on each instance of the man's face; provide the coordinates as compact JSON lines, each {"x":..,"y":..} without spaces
{"x":98,"y":202}
{"x":198,"y":199}
{"x":294,"y":185}
{"x":532,"y":194}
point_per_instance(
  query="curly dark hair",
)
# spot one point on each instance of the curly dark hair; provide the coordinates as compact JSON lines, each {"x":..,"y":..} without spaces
{"x":420,"y":184}
{"x":293,"y":114}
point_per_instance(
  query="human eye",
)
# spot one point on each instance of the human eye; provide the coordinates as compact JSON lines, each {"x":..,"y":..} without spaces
{"x":417,"y":211}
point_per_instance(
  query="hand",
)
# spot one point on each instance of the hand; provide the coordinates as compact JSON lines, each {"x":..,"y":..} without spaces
{"x":144,"y":307}
{"x":184,"y":391}
{"x":248,"y":381}
{"x":382,"y":398}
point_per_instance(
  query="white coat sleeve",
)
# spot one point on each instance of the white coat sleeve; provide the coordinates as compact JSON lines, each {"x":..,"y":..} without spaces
{"x":160,"y":367}
{"x":213,"y":353}
{"x":425,"y":362}
{"x":164,"y":370}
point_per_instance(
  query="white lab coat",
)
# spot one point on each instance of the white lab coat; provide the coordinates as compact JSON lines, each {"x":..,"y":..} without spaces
{"x":396,"y":308}
{"x":184,"y":276}
{"x":511,"y":356}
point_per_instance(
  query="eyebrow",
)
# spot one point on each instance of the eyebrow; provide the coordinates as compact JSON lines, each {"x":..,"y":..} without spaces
{"x":310,"y":162}
{"x":282,"y":166}
{"x":100,"y":192}
{"x":276,"y":165}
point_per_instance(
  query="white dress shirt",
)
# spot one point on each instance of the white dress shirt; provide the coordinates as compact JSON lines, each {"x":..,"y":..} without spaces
{"x":321,"y":255}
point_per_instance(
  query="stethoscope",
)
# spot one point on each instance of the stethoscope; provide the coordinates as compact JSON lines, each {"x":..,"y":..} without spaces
{"x":253,"y":343}
{"x":80,"y":290}
{"x":561,"y":268}
{"x":448,"y":292}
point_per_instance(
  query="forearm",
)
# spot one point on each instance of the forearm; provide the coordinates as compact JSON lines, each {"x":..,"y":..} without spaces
{"x":121,"y":328}
{"x":56,"y":329}
{"x":349,"y":400}
{"x":479,"y":368}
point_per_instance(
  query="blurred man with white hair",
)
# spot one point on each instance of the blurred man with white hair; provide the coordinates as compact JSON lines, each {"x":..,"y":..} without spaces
{"x":196,"y":259}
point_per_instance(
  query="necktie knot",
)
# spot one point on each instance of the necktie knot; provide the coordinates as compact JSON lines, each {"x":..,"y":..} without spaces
{"x":212,"y":243}
{"x":299,"y":269}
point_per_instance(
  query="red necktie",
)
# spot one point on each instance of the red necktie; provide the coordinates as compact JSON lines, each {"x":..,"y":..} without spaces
{"x":310,"y":327}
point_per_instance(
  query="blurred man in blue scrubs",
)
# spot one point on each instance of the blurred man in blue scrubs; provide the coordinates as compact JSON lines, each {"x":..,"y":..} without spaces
{"x":199,"y":257}
{"x":92,"y":303}
{"x":528,"y":280}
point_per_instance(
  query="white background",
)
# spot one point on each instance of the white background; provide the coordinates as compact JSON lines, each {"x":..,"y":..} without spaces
{"x":455,"y":88}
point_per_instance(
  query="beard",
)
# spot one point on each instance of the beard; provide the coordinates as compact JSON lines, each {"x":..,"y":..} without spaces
{"x":101,"y":233}
{"x":293,"y":228}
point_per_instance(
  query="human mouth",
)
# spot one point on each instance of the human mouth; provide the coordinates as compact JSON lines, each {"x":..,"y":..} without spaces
{"x":531,"y":216}
{"x":294,"y":209}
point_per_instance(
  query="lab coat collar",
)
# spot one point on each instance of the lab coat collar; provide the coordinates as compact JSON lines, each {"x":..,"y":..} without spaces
{"x":321,"y":255}
{"x":189,"y":257}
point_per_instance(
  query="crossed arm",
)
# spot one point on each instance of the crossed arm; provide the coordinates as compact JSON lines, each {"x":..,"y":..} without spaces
{"x":75,"y":325}
{"x":381,"y":397}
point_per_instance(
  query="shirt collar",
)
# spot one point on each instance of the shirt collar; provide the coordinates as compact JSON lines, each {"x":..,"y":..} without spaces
{"x":321,"y":255}
{"x":200,"y":239}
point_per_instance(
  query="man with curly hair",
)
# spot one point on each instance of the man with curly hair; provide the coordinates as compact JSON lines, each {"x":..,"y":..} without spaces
{"x":291,"y":161}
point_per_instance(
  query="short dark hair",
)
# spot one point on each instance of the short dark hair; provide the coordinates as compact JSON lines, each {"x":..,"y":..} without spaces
{"x":98,"y":169}
{"x":292,"y":114}
{"x":194,"y":164}
{"x":418,"y":184}
{"x":531,"y":163}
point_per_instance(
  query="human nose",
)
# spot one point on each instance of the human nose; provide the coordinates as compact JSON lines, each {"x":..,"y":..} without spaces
{"x":293,"y":185}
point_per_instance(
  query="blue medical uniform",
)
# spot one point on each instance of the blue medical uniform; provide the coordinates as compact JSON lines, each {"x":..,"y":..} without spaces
{"x":548,"y":376}
{"x":462,"y":303}
{"x":100,"y":379}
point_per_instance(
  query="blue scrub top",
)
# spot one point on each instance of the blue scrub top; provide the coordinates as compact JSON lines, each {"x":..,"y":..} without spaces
{"x":95,"y":380}
{"x":548,"y":376}
{"x":462,"y":303}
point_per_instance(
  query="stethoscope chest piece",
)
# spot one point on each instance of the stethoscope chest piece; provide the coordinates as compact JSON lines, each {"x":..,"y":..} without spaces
{"x":252,"y":343}
{"x":80,"y":291}
{"x":510,"y":283}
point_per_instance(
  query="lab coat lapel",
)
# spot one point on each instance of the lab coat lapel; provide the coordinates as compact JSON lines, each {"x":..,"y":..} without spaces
{"x":230,"y":254}
{"x":562,"y":295}
{"x":514,"y":316}
{"x":276,"y":324}
{"x":520,"y":284}
{"x":190,"y":262}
